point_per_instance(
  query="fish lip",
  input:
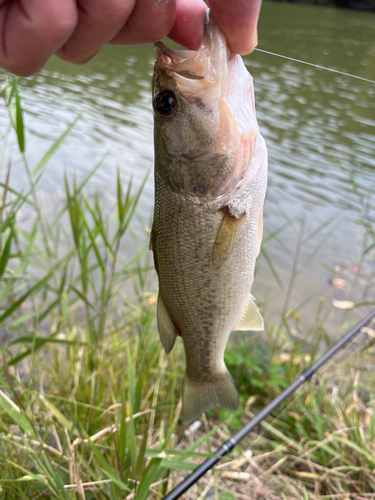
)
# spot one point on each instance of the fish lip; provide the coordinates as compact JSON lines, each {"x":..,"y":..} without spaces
{"x":179,"y":61}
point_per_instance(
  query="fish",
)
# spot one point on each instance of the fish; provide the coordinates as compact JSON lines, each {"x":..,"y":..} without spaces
{"x":210,"y":184}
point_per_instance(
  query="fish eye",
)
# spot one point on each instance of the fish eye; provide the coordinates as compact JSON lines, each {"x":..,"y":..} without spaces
{"x":165,"y":104}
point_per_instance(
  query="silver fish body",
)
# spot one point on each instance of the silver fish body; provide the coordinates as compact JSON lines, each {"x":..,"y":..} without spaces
{"x":210,"y":183}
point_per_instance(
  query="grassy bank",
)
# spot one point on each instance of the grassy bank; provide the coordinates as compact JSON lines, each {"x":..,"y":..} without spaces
{"x":89,"y":403}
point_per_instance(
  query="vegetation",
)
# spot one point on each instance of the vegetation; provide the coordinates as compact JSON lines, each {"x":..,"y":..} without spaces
{"x":90,"y":405}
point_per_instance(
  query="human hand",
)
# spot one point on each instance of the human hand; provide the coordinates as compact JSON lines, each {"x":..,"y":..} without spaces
{"x":237,"y":18}
{"x":75,"y":30}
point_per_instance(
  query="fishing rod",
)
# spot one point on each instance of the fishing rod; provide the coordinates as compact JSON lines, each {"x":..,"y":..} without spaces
{"x":233,"y":441}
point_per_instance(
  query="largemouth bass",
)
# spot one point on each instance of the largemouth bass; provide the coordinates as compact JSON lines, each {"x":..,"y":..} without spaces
{"x":210,"y":184}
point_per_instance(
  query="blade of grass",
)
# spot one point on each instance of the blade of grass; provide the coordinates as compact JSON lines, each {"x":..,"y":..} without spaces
{"x":32,"y":290}
{"x":6,"y":251}
{"x":15,"y":414}
{"x":150,"y":476}
{"x":272,"y":267}
{"x":55,"y":146}
{"x":20,"y":130}
{"x":105,"y":466}
{"x":65,"y":422}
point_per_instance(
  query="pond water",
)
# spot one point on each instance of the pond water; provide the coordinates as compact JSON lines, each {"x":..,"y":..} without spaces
{"x":318,"y":126}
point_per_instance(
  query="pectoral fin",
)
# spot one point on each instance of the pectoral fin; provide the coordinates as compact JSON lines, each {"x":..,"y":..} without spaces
{"x":225,"y":238}
{"x":251,"y":318}
{"x":260,"y":231}
{"x":167,"y":331}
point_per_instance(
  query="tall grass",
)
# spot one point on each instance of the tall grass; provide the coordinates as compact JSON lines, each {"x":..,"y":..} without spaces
{"x":90,"y":405}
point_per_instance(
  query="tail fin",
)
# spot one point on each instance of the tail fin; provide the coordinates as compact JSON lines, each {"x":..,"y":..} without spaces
{"x":197,"y":397}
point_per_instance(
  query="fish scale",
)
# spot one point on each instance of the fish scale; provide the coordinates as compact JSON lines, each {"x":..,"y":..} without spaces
{"x":209,"y":194}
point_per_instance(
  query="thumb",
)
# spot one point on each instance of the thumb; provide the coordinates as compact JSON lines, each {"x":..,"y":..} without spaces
{"x":238,"y":19}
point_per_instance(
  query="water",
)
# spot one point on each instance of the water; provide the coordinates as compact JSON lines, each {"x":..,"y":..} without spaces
{"x":305,"y":114}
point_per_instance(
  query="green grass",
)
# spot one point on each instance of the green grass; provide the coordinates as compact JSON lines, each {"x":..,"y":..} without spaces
{"x":89,"y":403}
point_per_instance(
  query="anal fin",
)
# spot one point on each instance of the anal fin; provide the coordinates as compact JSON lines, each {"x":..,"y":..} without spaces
{"x":251,"y":319}
{"x":167,"y":331}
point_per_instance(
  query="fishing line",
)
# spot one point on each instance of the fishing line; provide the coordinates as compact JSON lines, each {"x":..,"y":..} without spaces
{"x":233,"y":441}
{"x":317,"y":66}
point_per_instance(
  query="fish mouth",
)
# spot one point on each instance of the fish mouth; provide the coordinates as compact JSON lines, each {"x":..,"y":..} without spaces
{"x":189,"y":64}
{"x":209,"y":61}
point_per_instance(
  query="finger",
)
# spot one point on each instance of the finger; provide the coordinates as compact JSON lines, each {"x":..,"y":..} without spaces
{"x":98,"y":22}
{"x":149,"y":21}
{"x":32,"y":31}
{"x":189,"y":24}
{"x":238,"y":19}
